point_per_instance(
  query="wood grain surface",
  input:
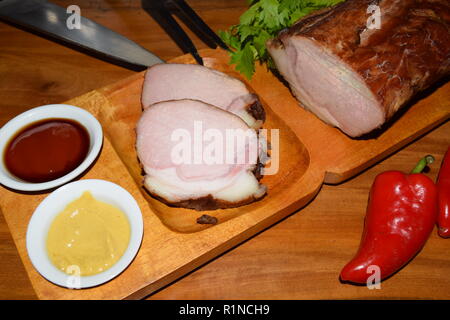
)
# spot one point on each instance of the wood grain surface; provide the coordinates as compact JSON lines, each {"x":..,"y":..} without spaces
{"x":299,"y":257}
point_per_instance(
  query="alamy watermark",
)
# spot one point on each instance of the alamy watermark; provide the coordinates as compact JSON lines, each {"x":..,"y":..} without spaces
{"x":374,"y":280}
{"x":73,"y":281}
{"x":74,"y":19}
{"x":230,"y":146}
{"x":374,"y":21}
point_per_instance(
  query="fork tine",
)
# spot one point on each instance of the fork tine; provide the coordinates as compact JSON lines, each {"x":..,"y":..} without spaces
{"x":196,"y":24}
{"x":169,"y":24}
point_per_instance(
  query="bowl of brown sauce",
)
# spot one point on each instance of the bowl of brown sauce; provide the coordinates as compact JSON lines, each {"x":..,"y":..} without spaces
{"x":48,"y":146}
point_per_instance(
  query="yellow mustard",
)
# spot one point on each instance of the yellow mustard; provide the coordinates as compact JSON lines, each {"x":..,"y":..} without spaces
{"x":88,"y":236}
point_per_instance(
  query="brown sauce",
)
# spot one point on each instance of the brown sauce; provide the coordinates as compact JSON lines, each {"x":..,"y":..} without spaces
{"x":46,"y":150}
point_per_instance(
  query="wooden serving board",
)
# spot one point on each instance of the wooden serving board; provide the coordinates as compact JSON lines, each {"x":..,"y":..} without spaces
{"x":311,"y":153}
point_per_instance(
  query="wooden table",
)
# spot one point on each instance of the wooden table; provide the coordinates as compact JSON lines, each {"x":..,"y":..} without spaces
{"x":299,"y":257}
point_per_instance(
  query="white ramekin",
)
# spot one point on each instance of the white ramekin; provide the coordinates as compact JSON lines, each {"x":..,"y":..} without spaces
{"x":52,"y":111}
{"x":54,"y":203}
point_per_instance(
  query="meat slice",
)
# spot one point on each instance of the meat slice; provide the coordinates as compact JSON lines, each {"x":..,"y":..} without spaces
{"x":186,"y":81}
{"x":198,"y":156}
{"x":354,"y":77}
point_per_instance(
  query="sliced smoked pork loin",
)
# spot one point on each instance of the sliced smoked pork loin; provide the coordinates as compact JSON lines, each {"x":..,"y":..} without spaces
{"x":187,"y":81}
{"x":354,"y":77}
{"x":181,"y":100}
{"x":189,"y":162}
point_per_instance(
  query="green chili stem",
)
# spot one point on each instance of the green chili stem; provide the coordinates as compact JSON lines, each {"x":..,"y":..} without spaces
{"x":429,"y":159}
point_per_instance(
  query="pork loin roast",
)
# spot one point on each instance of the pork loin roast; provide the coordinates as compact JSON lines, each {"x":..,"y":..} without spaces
{"x":354,"y":76}
{"x":187,"y":81}
{"x":198,"y":156}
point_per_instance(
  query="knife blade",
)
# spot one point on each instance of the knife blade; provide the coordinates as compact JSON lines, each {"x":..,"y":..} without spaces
{"x":50,"y":19}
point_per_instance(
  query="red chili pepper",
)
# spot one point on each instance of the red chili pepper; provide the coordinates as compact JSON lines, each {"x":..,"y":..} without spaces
{"x":400,"y":217}
{"x":443,"y":184}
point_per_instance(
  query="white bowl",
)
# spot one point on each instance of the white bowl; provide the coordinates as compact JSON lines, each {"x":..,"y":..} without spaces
{"x":54,"y":203}
{"x":51,"y":111}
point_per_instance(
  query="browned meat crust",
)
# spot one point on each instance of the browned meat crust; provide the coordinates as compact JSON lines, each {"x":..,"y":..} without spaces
{"x":205,"y":203}
{"x":207,"y":219}
{"x":256,"y":110}
{"x":409,"y":53}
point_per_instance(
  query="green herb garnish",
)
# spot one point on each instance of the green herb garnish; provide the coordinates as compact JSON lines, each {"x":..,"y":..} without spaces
{"x":261,"y":22}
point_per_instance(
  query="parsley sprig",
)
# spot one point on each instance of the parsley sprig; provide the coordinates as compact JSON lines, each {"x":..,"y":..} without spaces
{"x":261,"y":22}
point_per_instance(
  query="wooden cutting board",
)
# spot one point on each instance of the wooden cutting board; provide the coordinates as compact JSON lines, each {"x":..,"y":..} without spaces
{"x":311,"y":153}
